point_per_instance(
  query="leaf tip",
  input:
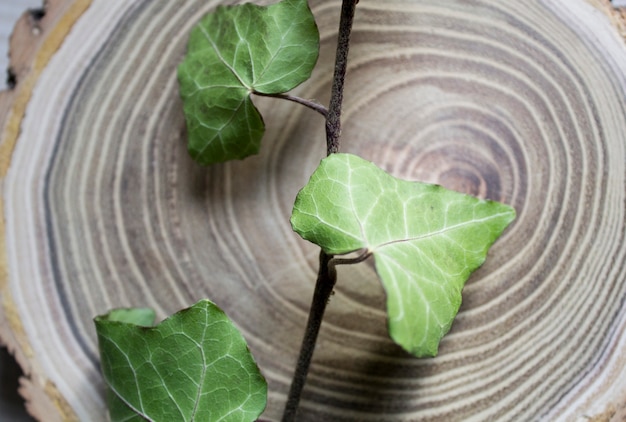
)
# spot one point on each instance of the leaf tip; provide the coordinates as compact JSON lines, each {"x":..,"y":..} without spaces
{"x":426,"y":346}
{"x":143,"y":317}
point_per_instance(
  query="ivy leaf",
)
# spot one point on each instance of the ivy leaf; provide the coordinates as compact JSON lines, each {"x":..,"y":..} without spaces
{"x":426,"y":240}
{"x":233,"y":52}
{"x":195,"y":365}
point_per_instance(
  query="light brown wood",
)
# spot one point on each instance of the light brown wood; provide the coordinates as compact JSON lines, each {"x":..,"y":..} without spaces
{"x":32,"y":44}
{"x":522,"y":102}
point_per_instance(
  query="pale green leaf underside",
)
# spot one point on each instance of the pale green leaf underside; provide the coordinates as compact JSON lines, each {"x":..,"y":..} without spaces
{"x":232,"y":52}
{"x":195,"y":365}
{"x":426,"y":240}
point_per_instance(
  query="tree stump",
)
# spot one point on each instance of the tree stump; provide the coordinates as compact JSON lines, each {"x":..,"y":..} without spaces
{"x":521,"y":102}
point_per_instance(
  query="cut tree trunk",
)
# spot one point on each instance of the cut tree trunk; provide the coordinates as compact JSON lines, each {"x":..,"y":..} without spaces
{"x":521,"y":102}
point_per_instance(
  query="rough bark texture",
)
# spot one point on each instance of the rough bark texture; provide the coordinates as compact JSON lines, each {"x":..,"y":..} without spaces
{"x":522,"y":102}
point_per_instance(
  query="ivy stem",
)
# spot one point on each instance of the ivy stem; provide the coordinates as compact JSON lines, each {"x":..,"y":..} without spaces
{"x":313,"y":105}
{"x":327,"y":275}
{"x":326,"y":279}
{"x":333,"y":119}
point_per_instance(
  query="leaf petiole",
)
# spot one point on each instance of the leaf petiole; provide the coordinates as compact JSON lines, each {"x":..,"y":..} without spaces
{"x":313,"y":105}
{"x":349,"y":261}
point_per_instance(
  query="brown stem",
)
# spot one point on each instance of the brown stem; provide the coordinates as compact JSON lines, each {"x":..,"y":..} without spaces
{"x":327,"y":275}
{"x":333,"y":120}
{"x":326,"y":279}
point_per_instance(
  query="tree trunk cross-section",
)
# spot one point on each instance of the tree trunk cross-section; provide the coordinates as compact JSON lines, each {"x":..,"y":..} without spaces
{"x":521,"y":102}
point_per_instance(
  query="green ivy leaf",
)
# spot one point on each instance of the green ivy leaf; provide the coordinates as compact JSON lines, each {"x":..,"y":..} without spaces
{"x":232,"y":52}
{"x":426,"y":240}
{"x":195,"y":365}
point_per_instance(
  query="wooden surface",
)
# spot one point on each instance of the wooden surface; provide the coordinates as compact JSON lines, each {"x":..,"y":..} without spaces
{"x":522,"y":102}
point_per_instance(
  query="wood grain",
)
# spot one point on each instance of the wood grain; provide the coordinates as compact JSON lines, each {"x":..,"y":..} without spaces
{"x":522,"y":102}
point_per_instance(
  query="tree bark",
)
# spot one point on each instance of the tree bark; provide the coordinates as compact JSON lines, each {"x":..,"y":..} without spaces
{"x":521,"y":102}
